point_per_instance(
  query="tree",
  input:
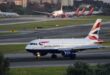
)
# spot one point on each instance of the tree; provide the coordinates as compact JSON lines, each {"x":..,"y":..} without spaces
{"x":4,"y":65}
{"x":79,"y":68}
{"x":19,"y":9}
{"x":3,"y":7}
{"x":103,"y":69}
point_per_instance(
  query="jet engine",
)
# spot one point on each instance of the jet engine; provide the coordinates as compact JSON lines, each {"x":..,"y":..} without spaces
{"x":69,"y":53}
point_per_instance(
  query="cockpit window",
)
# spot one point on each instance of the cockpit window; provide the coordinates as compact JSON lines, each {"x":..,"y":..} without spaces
{"x":33,"y":43}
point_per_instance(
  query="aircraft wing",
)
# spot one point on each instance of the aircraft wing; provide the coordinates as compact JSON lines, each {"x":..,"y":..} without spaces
{"x":88,"y":47}
{"x":80,"y":48}
{"x":46,"y":13}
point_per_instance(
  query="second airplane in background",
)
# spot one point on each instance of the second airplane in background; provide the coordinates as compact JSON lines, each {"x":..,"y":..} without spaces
{"x":77,"y":12}
{"x":60,"y":13}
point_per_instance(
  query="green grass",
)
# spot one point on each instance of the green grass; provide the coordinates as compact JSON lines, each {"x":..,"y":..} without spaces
{"x":46,"y":24}
{"x":104,"y":18}
{"x":53,"y":23}
{"x":38,"y":71}
{"x":12,"y":48}
{"x":106,"y":43}
{"x":8,"y":33}
{"x":2,"y":18}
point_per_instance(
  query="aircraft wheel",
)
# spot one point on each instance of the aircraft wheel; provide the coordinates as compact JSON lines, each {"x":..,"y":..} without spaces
{"x":54,"y":56}
{"x":37,"y":55}
{"x":73,"y":56}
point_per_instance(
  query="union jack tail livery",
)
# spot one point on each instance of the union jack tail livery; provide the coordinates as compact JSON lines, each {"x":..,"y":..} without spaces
{"x":91,"y":11}
{"x":77,"y":11}
{"x":82,"y":12}
{"x":94,"y":33}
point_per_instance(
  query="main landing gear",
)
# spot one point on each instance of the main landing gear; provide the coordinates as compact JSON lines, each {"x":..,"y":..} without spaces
{"x":53,"y":56}
{"x":73,"y":56}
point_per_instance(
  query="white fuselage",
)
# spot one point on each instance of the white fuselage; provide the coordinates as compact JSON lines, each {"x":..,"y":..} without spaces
{"x":8,"y":14}
{"x":57,"y":13}
{"x":60,"y":44}
{"x":92,"y":13}
{"x":86,"y":13}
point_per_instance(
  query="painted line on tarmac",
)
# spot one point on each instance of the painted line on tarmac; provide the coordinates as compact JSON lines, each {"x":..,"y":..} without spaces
{"x":13,"y":43}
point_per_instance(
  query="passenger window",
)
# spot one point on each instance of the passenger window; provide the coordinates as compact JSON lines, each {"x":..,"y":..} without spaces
{"x":33,"y":43}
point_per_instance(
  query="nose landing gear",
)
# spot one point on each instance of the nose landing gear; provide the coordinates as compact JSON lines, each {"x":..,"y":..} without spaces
{"x":37,"y":55}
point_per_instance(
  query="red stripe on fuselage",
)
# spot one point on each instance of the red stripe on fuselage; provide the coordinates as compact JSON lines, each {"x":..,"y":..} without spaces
{"x":43,"y":42}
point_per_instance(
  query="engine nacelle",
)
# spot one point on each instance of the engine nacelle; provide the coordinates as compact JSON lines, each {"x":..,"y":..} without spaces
{"x":43,"y":53}
{"x":68,"y":53}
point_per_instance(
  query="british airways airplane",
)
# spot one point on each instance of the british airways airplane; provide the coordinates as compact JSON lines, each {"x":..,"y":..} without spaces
{"x":67,"y":46}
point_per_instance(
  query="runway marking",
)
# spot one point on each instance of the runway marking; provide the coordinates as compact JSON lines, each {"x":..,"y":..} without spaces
{"x":13,"y":43}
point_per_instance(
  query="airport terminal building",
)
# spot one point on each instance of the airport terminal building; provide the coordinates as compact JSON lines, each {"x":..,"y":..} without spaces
{"x":24,"y":2}
{"x":63,"y":2}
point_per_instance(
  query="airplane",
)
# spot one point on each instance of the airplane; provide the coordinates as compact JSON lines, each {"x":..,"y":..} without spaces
{"x":60,"y":13}
{"x":92,"y":12}
{"x":8,"y":14}
{"x":67,"y":47}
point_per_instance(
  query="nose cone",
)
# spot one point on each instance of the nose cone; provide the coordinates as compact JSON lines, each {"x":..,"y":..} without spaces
{"x":30,"y":47}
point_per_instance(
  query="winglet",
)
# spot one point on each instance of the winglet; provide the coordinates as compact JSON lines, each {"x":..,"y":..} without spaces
{"x":91,"y":11}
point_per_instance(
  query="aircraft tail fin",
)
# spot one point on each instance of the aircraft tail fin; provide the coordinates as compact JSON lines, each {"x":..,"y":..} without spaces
{"x":77,"y":11}
{"x":94,"y":33}
{"x":61,"y":8}
{"x":91,"y":11}
{"x":82,"y":12}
